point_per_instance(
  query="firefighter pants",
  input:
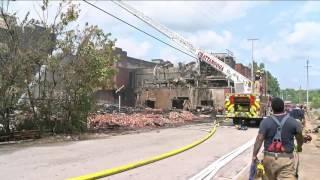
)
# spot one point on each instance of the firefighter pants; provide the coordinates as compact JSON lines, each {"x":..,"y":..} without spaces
{"x":279,"y":168}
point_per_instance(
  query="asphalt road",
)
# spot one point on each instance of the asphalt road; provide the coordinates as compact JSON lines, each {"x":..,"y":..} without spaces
{"x":70,"y":159}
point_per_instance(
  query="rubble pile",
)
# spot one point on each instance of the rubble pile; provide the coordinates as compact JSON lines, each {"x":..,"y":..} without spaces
{"x":183,"y":116}
{"x":152,"y":111}
{"x":139,"y":120}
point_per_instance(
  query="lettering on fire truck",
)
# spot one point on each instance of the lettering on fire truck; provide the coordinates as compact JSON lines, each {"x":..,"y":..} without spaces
{"x":209,"y":60}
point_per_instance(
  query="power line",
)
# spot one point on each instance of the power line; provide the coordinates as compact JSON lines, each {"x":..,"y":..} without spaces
{"x":139,"y":29}
{"x":143,"y":20}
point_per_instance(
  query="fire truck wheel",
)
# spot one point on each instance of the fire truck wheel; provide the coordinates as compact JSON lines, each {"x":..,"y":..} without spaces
{"x":236,"y":121}
{"x":258,"y":123}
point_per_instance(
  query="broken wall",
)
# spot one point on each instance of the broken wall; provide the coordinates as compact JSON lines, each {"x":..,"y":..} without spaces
{"x":163,"y":97}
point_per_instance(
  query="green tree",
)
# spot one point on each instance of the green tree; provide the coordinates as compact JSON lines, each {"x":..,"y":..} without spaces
{"x":82,"y":61}
{"x":273,"y":85}
{"x":300,"y":96}
{"x":315,"y":98}
{"x":89,"y":67}
{"x":11,"y":76}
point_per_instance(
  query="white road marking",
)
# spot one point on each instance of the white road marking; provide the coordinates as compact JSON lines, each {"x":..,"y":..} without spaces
{"x":212,"y":169}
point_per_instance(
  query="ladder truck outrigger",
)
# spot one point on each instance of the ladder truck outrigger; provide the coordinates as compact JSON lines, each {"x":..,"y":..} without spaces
{"x":245,"y":104}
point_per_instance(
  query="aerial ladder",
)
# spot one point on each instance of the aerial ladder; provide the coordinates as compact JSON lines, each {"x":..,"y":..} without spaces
{"x":245,"y":103}
{"x":242,"y":83}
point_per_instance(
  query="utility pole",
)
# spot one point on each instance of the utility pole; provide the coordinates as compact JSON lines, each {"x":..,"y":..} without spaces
{"x":307,"y":88}
{"x":300,"y":95}
{"x":286,"y":94}
{"x":266,"y":80}
{"x":252,"y":59}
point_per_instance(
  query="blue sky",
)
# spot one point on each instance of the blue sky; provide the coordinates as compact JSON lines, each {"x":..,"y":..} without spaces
{"x":288,"y":32}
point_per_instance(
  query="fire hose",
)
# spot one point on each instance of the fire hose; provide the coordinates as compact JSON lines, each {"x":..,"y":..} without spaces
{"x":119,"y":169}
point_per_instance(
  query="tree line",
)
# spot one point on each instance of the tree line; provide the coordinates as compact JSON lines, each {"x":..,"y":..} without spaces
{"x":300,"y":96}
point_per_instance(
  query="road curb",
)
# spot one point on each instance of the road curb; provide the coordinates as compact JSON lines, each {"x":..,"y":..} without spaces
{"x":119,"y":169}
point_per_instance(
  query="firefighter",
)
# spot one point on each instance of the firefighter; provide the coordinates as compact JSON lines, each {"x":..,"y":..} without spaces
{"x":298,"y":114}
{"x":277,"y":133}
{"x":258,"y":75}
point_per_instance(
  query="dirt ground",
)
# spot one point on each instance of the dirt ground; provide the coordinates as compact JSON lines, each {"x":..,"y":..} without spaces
{"x":310,"y":157}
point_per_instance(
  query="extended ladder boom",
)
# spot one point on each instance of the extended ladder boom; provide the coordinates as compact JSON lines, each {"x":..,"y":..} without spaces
{"x":210,"y":59}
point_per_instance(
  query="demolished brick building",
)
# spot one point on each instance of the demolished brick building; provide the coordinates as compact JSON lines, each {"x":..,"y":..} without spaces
{"x":126,"y":67}
{"x":181,"y":87}
{"x":159,"y":84}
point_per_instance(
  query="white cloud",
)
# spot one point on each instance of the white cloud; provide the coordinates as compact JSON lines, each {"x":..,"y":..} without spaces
{"x":305,"y":33}
{"x":193,"y":15}
{"x":274,"y":52}
{"x":169,"y":54}
{"x":280,"y":50}
{"x":210,"y":40}
{"x":174,"y":56}
{"x":297,"y":43}
{"x":133,"y":47}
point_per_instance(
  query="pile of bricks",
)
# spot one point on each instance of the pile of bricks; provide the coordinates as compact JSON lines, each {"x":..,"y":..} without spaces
{"x":139,"y":120}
